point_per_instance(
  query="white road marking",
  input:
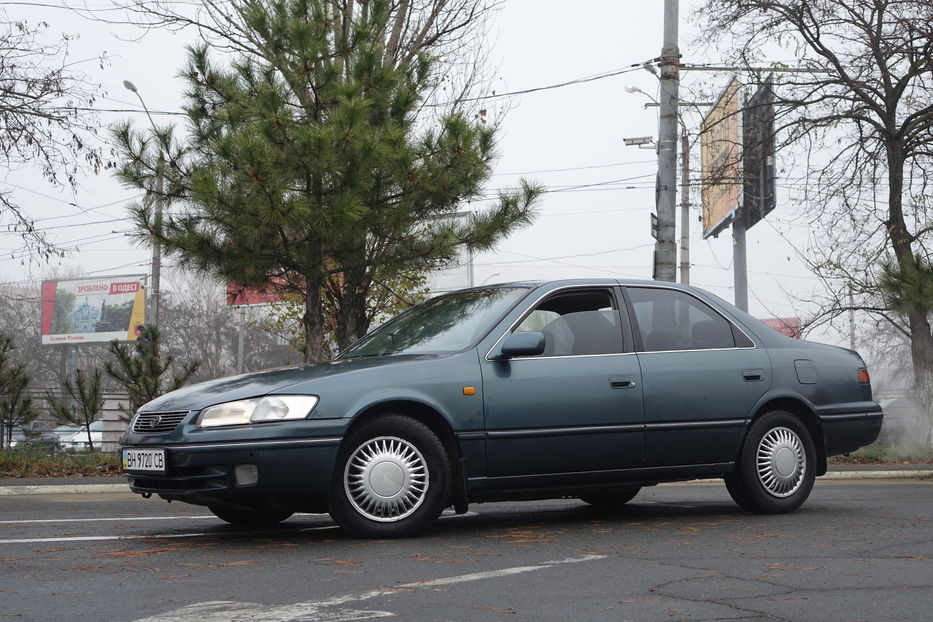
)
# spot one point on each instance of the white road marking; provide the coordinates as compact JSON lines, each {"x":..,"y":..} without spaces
{"x":122,"y":519}
{"x":317,"y":611}
{"x":150,"y":536}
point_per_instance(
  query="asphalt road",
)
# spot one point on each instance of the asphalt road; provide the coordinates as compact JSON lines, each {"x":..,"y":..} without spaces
{"x":858,"y":550}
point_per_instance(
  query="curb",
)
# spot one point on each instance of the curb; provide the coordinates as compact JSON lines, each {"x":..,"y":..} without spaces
{"x":896,"y":474}
{"x":58,"y":489}
{"x":918,"y":474}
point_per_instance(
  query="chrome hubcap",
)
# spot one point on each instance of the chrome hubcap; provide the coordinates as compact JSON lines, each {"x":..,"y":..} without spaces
{"x":386,"y":479}
{"x":781,"y":462}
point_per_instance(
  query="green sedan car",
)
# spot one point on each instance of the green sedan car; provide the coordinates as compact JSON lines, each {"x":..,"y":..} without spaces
{"x":584,"y":388}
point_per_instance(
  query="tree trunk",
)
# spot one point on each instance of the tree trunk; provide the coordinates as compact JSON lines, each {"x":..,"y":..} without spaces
{"x":921,"y":351}
{"x":921,"y":339}
{"x":351,"y":312}
{"x":313,"y":318}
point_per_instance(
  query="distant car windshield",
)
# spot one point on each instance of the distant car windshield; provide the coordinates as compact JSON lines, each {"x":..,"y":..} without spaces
{"x":444,"y":324}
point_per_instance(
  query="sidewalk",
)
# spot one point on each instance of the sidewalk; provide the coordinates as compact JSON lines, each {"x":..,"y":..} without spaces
{"x":88,"y":485}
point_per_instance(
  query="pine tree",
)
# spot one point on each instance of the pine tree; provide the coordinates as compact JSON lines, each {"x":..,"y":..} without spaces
{"x":143,"y":372}
{"x":85,"y":404}
{"x":311,"y":160}
{"x":15,"y":406}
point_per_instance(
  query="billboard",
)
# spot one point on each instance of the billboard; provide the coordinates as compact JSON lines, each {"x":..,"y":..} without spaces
{"x":721,"y":160}
{"x":758,"y":154}
{"x":457,"y":274}
{"x":243,"y":296}
{"x":93,"y":310}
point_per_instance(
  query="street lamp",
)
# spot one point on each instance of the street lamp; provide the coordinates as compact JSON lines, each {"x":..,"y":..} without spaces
{"x":491,"y":276}
{"x":156,"y":245}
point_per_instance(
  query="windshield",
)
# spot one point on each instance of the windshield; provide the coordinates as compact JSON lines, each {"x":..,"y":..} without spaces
{"x":444,"y":324}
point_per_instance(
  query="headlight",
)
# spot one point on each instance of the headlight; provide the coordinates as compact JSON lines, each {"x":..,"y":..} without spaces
{"x":258,"y":410}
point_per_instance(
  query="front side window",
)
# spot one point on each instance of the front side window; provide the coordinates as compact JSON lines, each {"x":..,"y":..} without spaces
{"x":576,"y":323}
{"x":672,"y":320}
{"x":444,"y":324}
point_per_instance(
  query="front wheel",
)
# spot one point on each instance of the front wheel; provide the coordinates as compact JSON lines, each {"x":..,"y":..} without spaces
{"x":776,"y":467}
{"x":392,"y":478}
{"x":259,"y":517}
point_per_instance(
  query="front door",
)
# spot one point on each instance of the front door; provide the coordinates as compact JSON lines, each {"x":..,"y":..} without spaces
{"x":577,"y":406}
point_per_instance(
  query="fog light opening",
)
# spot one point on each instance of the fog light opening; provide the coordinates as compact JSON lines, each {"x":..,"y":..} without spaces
{"x":246,"y":475}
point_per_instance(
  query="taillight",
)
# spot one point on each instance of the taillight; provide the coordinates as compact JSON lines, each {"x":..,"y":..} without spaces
{"x":863,"y":377}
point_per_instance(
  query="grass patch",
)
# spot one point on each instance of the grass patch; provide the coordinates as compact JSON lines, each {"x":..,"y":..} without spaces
{"x":886,"y":453}
{"x":30,"y":463}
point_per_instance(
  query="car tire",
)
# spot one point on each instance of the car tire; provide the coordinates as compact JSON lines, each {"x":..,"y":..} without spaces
{"x":776,"y":467}
{"x":392,"y":478}
{"x":259,"y":517}
{"x":612,"y":499}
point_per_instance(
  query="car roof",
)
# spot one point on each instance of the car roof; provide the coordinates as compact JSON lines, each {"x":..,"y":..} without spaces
{"x":601,"y":280}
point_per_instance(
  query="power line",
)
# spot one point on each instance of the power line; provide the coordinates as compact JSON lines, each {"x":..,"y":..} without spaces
{"x":584,"y":80}
{"x":577,"y":168}
{"x":609,"y":252}
{"x":82,"y":209}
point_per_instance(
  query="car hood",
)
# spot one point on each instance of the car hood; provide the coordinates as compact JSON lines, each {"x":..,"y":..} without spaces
{"x":202,"y":395}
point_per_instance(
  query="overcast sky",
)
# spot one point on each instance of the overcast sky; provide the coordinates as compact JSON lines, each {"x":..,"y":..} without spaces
{"x":594,"y":221}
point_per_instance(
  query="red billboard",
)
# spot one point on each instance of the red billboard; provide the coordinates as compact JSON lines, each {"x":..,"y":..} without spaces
{"x":241,"y":295}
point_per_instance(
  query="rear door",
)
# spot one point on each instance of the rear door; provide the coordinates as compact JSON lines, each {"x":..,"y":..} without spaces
{"x":701,"y":376}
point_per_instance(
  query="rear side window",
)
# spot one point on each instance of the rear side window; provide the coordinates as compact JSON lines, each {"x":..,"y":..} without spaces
{"x":671,"y":320}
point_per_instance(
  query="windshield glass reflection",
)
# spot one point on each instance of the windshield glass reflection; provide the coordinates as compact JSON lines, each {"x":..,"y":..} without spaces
{"x":444,"y":324}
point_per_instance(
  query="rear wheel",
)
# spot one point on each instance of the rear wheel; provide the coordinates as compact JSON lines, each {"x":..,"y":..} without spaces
{"x":776,"y":468}
{"x":611,"y":499}
{"x":392,"y":478}
{"x":254,"y":518}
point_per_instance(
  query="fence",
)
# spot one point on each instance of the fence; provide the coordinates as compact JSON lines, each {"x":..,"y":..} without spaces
{"x":112,"y":418}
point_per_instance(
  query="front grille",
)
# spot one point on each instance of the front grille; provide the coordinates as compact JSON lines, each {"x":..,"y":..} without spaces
{"x":157,"y":423}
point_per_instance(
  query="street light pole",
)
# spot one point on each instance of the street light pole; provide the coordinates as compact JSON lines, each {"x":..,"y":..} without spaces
{"x":684,"y":184}
{"x":665,"y":257}
{"x":156,"y":244}
{"x":684,"y":205}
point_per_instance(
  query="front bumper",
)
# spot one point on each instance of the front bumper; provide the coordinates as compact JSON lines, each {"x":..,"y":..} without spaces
{"x":292,"y":474}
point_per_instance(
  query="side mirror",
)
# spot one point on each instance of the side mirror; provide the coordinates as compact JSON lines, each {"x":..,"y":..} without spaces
{"x":522,"y":344}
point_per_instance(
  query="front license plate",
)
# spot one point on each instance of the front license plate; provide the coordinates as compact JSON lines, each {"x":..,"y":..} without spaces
{"x":151,"y":460}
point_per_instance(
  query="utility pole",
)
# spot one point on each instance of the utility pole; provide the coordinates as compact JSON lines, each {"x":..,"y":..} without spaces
{"x":156,"y":245}
{"x":156,"y":253}
{"x":665,"y":250}
{"x":684,"y":206}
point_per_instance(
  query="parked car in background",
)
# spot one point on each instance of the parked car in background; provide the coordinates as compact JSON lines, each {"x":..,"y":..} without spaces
{"x":64,"y":432}
{"x":586,"y":388}
{"x":36,"y":435}
{"x":78,"y":441}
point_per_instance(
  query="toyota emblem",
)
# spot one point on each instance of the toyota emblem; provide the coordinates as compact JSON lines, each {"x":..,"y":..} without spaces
{"x":155,"y":421}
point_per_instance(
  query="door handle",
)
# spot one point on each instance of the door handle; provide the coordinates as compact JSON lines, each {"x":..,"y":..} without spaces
{"x":621,"y":382}
{"x":752,"y":375}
